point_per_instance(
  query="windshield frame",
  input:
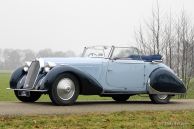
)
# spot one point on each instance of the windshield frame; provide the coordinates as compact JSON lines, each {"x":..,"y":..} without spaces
{"x":98,"y":48}
{"x":112,"y":49}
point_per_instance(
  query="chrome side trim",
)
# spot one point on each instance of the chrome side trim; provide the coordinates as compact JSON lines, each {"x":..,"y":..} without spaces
{"x":27,"y":90}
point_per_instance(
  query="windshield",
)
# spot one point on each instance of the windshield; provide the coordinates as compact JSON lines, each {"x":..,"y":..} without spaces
{"x":125,"y":52}
{"x":97,"y":52}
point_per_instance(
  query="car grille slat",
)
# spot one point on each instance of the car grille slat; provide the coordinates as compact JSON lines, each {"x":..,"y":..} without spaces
{"x":32,"y":75}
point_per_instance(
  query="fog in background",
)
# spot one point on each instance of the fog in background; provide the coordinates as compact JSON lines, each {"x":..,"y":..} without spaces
{"x":48,"y":28}
{"x":64,"y":25}
{"x":11,"y":59}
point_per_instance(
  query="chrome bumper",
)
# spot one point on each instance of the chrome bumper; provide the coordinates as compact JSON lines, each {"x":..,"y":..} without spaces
{"x":27,"y":90}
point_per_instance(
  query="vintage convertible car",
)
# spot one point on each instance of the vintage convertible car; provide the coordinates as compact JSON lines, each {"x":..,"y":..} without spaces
{"x":117,"y":72}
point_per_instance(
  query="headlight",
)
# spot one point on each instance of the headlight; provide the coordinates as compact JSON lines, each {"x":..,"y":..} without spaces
{"x":49,"y":66}
{"x":26,"y":68}
{"x":47,"y":69}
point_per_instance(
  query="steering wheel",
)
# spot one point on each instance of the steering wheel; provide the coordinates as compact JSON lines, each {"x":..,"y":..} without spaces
{"x":92,"y":55}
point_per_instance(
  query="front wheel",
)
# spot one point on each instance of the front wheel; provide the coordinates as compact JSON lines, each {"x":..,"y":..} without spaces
{"x":160,"y":98}
{"x":65,"y":90}
{"x":34,"y":96}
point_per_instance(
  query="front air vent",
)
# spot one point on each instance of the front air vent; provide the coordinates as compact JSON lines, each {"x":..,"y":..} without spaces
{"x":32,"y":75}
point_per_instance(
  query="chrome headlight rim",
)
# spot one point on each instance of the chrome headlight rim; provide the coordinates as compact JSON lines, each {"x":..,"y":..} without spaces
{"x":26,"y":66}
{"x":49,"y":66}
{"x":47,"y":69}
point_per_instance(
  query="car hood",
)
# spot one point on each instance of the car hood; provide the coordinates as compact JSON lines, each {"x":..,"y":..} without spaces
{"x":72,"y":61}
{"x":91,"y":66}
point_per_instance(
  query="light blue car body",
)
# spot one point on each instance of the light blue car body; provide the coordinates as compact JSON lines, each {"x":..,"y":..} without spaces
{"x":113,"y":75}
{"x":126,"y":73}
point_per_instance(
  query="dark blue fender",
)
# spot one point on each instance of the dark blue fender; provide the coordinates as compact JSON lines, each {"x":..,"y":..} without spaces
{"x":15,"y":77}
{"x":88,"y":84}
{"x":18,"y":74}
{"x":163,"y":80}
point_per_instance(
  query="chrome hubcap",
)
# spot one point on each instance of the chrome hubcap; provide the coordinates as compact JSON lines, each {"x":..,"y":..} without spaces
{"x":162,"y":96}
{"x":65,"y":89}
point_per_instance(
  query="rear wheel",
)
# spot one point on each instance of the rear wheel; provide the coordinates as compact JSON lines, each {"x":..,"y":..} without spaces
{"x":65,"y":90}
{"x":160,"y":98}
{"x":120,"y":98}
{"x":34,"y":96}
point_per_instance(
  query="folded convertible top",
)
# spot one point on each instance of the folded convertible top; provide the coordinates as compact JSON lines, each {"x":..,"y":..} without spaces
{"x":147,"y":58}
{"x":150,"y":58}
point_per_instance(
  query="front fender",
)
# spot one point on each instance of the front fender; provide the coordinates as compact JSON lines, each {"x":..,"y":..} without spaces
{"x":164,"y":81}
{"x":15,"y":77}
{"x":88,"y":84}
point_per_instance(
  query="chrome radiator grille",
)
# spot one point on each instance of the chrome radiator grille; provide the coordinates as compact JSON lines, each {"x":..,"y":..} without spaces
{"x":32,"y":75}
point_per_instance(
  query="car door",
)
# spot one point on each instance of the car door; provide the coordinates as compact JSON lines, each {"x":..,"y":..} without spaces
{"x":125,"y":70}
{"x":123,"y":74}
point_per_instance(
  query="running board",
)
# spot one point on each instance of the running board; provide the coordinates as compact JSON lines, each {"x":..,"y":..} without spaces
{"x":27,"y":90}
{"x":124,"y":92}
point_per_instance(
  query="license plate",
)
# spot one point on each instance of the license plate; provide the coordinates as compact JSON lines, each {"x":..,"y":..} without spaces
{"x":24,"y":93}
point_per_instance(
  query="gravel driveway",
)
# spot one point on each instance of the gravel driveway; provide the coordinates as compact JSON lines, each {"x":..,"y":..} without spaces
{"x":19,"y":108}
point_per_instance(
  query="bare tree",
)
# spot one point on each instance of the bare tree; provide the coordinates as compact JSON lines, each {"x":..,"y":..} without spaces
{"x":156,"y":28}
{"x":174,"y":39}
{"x":28,"y":55}
{"x":149,"y":39}
{"x":45,"y":53}
{"x":186,"y":48}
{"x":168,"y":41}
{"x":11,"y":59}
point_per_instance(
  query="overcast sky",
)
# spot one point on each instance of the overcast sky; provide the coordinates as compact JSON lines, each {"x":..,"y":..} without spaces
{"x":72,"y":24}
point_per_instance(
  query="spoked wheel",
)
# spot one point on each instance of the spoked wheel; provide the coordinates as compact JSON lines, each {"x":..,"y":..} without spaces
{"x":120,"y":98}
{"x":65,"y":90}
{"x":160,"y":98}
{"x":34,"y":96}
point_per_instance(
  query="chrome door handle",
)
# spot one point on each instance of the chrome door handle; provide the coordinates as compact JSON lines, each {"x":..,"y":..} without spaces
{"x":109,"y":70}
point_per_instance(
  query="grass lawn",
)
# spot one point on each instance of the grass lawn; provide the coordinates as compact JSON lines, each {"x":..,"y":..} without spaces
{"x":8,"y":95}
{"x":190,"y":92}
{"x":119,"y":120}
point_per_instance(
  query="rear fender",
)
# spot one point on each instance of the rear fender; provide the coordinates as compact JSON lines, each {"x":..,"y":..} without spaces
{"x":163,"y":81}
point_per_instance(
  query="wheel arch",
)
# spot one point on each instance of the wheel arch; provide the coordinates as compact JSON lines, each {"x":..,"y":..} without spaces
{"x":88,"y":84}
{"x":16,"y":76}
